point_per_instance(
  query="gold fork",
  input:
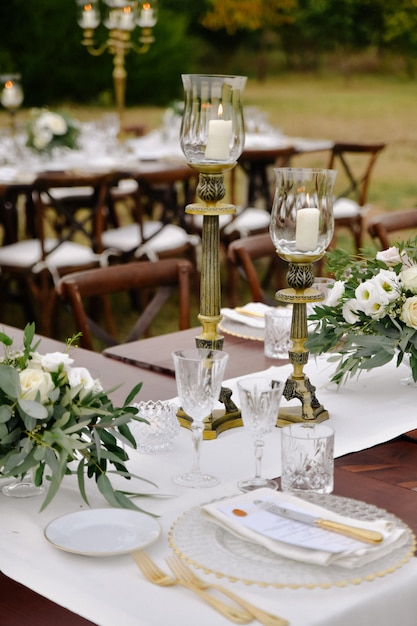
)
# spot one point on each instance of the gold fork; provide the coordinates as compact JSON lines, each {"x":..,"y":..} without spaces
{"x":183,"y":572}
{"x":158,"y":577}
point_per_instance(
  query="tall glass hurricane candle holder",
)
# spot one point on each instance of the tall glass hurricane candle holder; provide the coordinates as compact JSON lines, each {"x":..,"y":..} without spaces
{"x":212,"y":139}
{"x":11,"y":96}
{"x":301,"y":229}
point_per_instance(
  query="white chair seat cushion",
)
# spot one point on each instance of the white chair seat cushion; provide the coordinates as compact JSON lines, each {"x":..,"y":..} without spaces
{"x":125,"y":186}
{"x":26,"y":254}
{"x":248,"y":220}
{"x":345,"y":207}
{"x":126,"y":238}
{"x":67,"y":192}
{"x":169,"y":238}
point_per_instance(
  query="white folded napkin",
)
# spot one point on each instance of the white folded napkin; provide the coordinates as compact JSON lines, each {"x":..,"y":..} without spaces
{"x":297,"y":540}
{"x":251,"y":314}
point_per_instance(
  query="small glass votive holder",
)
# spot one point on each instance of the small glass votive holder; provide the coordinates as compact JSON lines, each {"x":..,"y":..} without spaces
{"x":158,"y":435}
{"x":277,"y":340}
{"x":307,"y":458}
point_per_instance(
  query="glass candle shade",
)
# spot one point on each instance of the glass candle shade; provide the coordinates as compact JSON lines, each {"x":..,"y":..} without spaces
{"x":212,"y":129}
{"x":11,"y":92}
{"x":120,"y":14}
{"x":147,"y":14}
{"x":88,"y":14}
{"x":302,"y":221}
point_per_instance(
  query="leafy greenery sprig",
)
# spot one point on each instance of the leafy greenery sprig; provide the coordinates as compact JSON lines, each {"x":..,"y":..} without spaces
{"x":55,"y":419}
{"x":371,"y":315}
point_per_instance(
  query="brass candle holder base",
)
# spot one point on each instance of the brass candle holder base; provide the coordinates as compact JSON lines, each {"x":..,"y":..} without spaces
{"x":298,"y":386}
{"x":219,"y":420}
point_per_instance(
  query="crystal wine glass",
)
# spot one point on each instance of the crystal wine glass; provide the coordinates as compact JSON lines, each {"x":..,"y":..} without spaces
{"x":199,"y":375}
{"x":259,"y":403}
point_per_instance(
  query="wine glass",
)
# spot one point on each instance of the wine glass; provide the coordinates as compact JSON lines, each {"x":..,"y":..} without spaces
{"x":259,"y":403}
{"x":199,"y":375}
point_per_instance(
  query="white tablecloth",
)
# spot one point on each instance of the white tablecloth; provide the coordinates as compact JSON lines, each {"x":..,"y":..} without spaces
{"x":111,"y":590}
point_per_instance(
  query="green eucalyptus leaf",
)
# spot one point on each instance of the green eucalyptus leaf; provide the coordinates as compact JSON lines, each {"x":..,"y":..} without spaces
{"x":10,"y":381}
{"x":30,"y":408}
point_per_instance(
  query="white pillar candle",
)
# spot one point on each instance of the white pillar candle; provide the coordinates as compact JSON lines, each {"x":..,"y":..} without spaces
{"x":307,"y":229}
{"x":89,"y":18}
{"x":126,"y":19}
{"x":11,"y":96}
{"x":146,"y":19}
{"x":218,"y":140}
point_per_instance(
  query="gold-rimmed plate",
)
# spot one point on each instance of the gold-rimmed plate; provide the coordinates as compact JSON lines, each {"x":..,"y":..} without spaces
{"x":207,"y":546}
{"x":103,"y":532}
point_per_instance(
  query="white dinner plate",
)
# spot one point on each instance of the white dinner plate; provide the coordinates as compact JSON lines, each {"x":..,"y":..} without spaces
{"x":103,"y":532}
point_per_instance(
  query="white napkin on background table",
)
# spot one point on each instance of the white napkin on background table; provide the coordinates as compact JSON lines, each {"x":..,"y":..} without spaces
{"x":345,"y":552}
{"x":251,"y":314}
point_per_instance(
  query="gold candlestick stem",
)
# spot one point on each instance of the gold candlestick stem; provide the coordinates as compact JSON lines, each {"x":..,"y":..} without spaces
{"x":298,"y":386}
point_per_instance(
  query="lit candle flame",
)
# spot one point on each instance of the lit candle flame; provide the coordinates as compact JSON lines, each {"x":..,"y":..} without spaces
{"x":88,"y":7}
{"x":8,"y":84}
{"x":220,"y":112}
{"x":127,"y":9}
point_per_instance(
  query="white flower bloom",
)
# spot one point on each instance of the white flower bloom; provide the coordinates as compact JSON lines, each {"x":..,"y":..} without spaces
{"x":52,"y":360}
{"x":33,"y":381}
{"x":409,"y":312}
{"x":371,"y":297}
{"x":81,"y":376}
{"x":335,"y":293}
{"x":408,"y":278}
{"x":41,"y":138}
{"x":389,"y":283}
{"x":390,"y":256}
{"x":350,"y":310}
{"x":53,"y":122}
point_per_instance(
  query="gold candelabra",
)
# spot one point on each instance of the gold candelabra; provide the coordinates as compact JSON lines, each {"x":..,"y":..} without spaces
{"x":121,"y":18}
{"x":301,"y":229}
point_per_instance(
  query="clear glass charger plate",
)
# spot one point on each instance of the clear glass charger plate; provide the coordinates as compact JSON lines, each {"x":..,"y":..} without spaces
{"x":207,"y":546}
{"x":102,"y":532}
{"x":230,"y":327}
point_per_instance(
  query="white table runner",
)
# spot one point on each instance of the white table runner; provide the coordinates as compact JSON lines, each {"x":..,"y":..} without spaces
{"x":112,"y":591}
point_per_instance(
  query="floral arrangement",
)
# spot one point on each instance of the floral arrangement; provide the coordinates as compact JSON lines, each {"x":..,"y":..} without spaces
{"x":371,"y":314}
{"x":48,"y":130}
{"x":55,"y":419}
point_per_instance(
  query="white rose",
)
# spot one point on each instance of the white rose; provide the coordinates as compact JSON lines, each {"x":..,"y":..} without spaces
{"x":52,"y":360}
{"x":57,"y":124}
{"x":335,"y":293}
{"x":81,"y":376}
{"x":350,"y":310}
{"x":409,"y":312}
{"x":391,"y":256}
{"x":408,"y":278}
{"x":34,"y":381}
{"x":51,"y":122}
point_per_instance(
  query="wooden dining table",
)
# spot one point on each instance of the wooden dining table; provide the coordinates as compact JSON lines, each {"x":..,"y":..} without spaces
{"x":384,"y":475}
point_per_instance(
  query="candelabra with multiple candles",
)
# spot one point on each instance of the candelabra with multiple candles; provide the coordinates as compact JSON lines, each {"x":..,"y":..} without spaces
{"x":121,"y":18}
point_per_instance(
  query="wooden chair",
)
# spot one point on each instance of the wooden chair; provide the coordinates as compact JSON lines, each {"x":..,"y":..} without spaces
{"x":62,"y":242}
{"x":243,"y":255}
{"x":79,"y":289}
{"x":382,"y":226}
{"x":355,"y":163}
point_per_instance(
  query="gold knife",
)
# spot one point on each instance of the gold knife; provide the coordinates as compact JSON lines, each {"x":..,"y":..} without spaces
{"x":361,"y":534}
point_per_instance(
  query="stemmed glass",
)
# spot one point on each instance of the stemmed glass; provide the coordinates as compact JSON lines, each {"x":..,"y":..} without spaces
{"x":199,"y":375}
{"x":259,"y":403}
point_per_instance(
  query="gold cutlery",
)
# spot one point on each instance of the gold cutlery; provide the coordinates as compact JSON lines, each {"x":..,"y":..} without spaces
{"x":184,"y":573}
{"x":155,"y":575}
